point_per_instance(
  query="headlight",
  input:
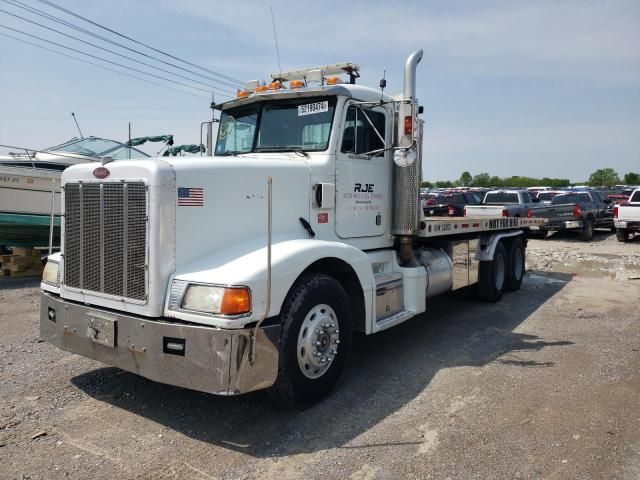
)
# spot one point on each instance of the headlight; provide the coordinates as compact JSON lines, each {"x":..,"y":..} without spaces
{"x":219,"y":300}
{"x":50,"y":274}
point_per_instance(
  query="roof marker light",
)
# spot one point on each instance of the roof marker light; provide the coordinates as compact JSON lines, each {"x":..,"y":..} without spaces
{"x":261,"y":88}
{"x":242,"y":94}
{"x":274,"y":85}
{"x":333,"y":80}
{"x":296,"y":84}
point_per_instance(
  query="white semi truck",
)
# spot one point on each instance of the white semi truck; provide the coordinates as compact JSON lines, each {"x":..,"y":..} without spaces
{"x":251,"y":268}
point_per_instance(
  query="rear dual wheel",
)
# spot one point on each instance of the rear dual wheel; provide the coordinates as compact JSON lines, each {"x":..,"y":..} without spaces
{"x":504,"y":272}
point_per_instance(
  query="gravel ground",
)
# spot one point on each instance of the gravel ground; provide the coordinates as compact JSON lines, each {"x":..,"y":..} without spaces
{"x":545,"y":384}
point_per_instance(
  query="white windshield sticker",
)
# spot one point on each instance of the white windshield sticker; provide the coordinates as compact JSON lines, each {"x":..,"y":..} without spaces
{"x":311,"y":108}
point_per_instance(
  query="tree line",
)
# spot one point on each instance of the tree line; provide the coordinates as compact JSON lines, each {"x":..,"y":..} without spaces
{"x":604,"y":177}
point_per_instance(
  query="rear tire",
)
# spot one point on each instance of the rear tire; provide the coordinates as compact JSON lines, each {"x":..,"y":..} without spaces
{"x":516,"y":267}
{"x":622,"y":234}
{"x":586,"y":233}
{"x":492,"y":276}
{"x":315,"y":341}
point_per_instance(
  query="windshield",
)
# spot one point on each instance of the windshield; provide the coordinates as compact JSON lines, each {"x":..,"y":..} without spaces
{"x":500,"y":198}
{"x":99,"y":147}
{"x":301,"y":124}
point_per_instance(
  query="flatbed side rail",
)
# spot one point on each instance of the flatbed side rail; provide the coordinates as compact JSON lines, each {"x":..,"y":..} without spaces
{"x":443,"y":226}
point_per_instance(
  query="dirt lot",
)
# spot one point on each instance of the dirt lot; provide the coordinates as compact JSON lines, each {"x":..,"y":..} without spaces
{"x":545,"y":384}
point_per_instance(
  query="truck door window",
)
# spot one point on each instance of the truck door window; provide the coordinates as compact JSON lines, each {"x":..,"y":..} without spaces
{"x":360,"y":137}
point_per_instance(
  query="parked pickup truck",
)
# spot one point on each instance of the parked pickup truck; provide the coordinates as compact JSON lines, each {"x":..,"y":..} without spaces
{"x":502,"y":203}
{"x":579,"y":211}
{"x":626,"y":218}
{"x":450,"y":204}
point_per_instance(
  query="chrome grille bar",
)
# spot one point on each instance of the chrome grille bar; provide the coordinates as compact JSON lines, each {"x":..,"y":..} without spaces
{"x":125,"y":240}
{"x":81,"y":242}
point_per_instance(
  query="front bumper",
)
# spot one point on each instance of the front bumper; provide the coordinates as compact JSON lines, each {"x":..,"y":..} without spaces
{"x":201,"y":358}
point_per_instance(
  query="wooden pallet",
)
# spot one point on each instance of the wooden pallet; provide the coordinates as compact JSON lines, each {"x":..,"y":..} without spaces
{"x":24,"y":262}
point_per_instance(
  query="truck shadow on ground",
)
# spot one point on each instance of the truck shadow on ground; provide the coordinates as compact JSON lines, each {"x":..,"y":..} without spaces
{"x":386,"y":371}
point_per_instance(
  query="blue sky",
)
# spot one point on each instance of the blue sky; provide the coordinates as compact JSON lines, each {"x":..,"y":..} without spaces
{"x":545,"y":88}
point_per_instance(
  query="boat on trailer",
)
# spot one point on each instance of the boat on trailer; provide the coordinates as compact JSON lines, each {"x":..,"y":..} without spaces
{"x":30,"y":186}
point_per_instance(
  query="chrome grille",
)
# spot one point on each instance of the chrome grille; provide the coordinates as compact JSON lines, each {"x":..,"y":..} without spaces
{"x":106,"y":238}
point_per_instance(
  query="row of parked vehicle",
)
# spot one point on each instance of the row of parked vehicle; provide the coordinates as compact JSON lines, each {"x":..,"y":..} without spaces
{"x":583,"y":210}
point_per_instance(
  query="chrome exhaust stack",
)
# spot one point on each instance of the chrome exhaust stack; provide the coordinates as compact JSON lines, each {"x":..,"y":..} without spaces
{"x":407,"y":172}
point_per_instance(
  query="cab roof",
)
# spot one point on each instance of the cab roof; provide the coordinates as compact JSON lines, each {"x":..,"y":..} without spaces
{"x":357,"y":92}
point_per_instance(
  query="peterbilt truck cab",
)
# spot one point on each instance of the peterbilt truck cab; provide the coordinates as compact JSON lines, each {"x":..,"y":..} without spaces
{"x":252,"y":267}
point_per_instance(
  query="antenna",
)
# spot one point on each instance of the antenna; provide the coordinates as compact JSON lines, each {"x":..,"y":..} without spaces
{"x":77,"y":126}
{"x":275,"y":37}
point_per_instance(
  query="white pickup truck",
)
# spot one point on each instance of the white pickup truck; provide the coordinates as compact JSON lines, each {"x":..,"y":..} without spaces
{"x":626,"y":218}
{"x":502,"y":203}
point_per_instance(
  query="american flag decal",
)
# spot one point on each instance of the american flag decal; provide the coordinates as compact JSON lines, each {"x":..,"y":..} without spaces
{"x":190,"y":197}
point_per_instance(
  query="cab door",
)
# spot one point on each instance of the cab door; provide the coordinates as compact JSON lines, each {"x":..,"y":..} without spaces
{"x":363,"y":178}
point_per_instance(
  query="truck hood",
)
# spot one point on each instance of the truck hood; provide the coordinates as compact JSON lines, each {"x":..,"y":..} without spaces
{"x":199,"y":208}
{"x":231,"y":207}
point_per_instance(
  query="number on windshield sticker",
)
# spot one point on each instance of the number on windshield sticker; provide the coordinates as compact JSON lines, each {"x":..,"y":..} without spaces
{"x":312,"y":108}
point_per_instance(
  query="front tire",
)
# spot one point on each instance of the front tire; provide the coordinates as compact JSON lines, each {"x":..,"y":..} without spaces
{"x":516,"y":267}
{"x":492,"y":275}
{"x":315,"y":340}
{"x":622,"y":234}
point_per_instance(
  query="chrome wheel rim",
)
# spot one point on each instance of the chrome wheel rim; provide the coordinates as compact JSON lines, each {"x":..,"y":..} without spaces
{"x":318,"y":341}
{"x":498,"y":272}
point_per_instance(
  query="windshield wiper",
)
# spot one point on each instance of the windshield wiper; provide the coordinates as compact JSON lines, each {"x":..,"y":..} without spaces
{"x":283,"y":148}
{"x":229,"y":153}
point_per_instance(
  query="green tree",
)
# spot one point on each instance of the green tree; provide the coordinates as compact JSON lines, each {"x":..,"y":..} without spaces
{"x":604,"y":177}
{"x":631,"y":178}
{"x":426,"y":184}
{"x":444,"y":184}
{"x":481,"y":180}
{"x":465,"y":179}
{"x":496,"y":181}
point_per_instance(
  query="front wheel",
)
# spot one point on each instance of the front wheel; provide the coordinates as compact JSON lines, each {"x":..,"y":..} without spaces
{"x":315,"y":340}
{"x":492,"y":275}
{"x":622,"y":234}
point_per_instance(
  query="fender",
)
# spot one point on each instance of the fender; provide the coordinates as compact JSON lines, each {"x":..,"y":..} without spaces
{"x":488,"y":244}
{"x":289,"y":258}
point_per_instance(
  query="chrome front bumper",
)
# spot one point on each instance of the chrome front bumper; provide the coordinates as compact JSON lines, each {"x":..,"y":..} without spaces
{"x":185,"y":355}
